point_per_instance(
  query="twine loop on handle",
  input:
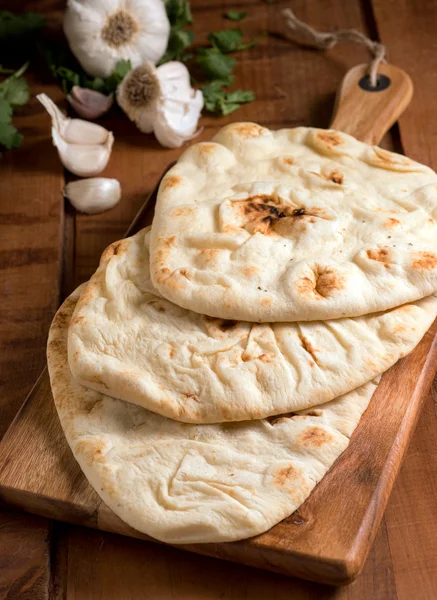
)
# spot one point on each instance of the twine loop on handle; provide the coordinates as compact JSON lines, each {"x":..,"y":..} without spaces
{"x":303,"y":33}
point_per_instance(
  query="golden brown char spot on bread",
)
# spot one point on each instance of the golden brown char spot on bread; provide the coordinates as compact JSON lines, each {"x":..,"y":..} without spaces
{"x":384,"y":157}
{"x":250,"y":270}
{"x":328,"y":281}
{"x":248,"y":130}
{"x":266,"y":358}
{"x":209,"y":254}
{"x":314,"y":437}
{"x":331,"y":138}
{"x":183,"y":211}
{"x":323,"y":282}
{"x":262,"y":212}
{"x":265,"y":301}
{"x":307,"y":346}
{"x":424,"y":261}
{"x":391,"y":222}
{"x":379,"y":254}
{"x":207,"y":147}
{"x":171,"y":352}
{"x":336,"y":177}
{"x":171,"y":181}
{"x":288,"y":160}
{"x":284,"y":475}
{"x":90,"y":450}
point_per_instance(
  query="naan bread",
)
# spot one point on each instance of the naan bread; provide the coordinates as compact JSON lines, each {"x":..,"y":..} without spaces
{"x":127,"y":341}
{"x":294,"y":225}
{"x":185,"y":483}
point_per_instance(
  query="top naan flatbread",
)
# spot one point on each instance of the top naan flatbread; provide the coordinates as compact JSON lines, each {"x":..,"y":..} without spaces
{"x":296,"y":224}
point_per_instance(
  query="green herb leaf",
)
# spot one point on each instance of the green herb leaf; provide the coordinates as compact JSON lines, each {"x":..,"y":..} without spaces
{"x":178,"y":42}
{"x":226,"y":40}
{"x":9,"y":136}
{"x":15,"y":91}
{"x":235,"y":15}
{"x":215,"y":64}
{"x":253,"y":42}
{"x":218,"y":101}
{"x":178,"y":12}
{"x":179,"y":15}
{"x":5,"y":111}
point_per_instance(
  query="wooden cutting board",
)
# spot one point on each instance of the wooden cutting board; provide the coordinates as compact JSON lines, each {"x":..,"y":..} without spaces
{"x":328,"y":538}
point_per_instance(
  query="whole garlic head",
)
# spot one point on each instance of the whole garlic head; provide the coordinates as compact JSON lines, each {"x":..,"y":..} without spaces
{"x":102,"y":32}
{"x":162,"y":100}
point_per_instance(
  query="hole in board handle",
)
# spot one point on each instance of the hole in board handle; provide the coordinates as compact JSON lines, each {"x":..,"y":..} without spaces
{"x":382,"y":83}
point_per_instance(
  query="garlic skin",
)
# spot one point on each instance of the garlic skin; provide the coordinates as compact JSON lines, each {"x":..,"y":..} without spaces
{"x":162,"y":100}
{"x":93,"y":196}
{"x":89,"y":103}
{"x":102,"y":32}
{"x":84,"y":148}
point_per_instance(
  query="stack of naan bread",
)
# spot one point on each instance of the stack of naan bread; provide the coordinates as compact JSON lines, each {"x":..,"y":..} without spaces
{"x":216,"y":364}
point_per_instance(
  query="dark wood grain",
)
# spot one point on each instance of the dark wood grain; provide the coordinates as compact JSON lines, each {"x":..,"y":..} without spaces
{"x":30,"y":257}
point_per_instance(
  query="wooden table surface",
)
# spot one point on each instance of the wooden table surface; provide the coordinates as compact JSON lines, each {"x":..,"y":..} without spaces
{"x":46,"y":250}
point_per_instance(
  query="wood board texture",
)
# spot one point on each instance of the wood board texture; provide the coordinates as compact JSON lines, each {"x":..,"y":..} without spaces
{"x":294,"y":86}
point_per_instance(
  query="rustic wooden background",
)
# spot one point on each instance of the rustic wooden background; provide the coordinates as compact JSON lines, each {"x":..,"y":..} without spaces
{"x":46,"y":250}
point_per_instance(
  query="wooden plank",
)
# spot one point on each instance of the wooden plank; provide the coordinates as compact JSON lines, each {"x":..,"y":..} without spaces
{"x":407,"y":30}
{"x":102,"y":565}
{"x":24,"y":556}
{"x":30,"y":253}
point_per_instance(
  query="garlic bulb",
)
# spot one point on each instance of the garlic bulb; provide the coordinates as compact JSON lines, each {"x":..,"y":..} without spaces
{"x":89,"y":103}
{"x":102,"y":32}
{"x":84,"y":148}
{"x":162,"y":100}
{"x":93,"y":195}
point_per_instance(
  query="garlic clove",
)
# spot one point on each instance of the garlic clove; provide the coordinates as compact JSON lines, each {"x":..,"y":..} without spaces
{"x":176,"y":120}
{"x":89,"y":103}
{"x":84,"y":160}
{"x":95,"y":195}
{"x":84,"y":148}
{"x":74,"y":131}
{"x":174,"y":79}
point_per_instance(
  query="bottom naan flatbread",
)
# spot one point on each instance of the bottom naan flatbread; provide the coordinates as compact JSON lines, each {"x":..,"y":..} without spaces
{"x":183,"y":483}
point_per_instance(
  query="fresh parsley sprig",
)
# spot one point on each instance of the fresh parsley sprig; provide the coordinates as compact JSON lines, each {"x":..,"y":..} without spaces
{"x":235,"y":15}
{"x":14,"y":92}
{"x":179,"y":15}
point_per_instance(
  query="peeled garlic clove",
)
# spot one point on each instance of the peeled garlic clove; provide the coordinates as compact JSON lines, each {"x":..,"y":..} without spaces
{"x":83,"y":147}
{"x":89,"y":103}
{"x":84,"y":160}
{"x":93,"y":195}
{"x":74,"y":131}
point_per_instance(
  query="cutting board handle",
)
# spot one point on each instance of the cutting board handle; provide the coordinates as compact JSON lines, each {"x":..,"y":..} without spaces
{"x":368,"y":113}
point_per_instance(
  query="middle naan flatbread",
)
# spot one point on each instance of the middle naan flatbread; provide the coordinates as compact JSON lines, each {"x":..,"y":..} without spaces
{"x":128,"y":342}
